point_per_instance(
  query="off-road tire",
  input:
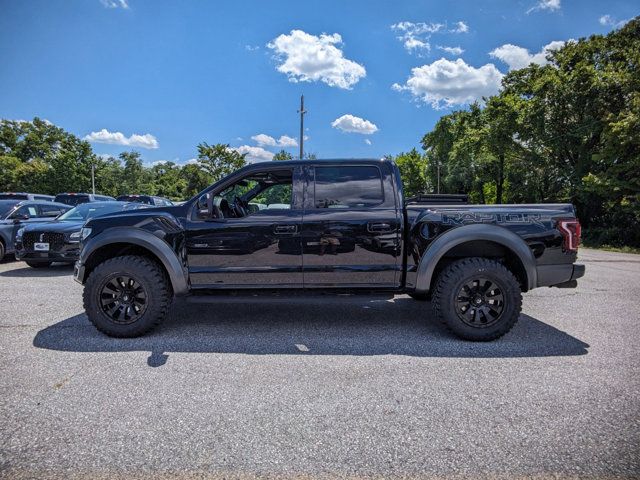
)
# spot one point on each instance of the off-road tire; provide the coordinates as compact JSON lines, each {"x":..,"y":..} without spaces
{"x":148,"y":274}
{"x":2,"y":250}
{"x":38,"y":264}
{"x":450,"y":283}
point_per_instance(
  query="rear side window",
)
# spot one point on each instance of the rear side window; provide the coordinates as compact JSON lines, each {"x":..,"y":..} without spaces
{"x":52,"y":210}
{"x":348,"y":187}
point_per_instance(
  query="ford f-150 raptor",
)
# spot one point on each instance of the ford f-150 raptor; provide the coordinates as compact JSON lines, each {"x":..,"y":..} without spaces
{"x":330,"y":226}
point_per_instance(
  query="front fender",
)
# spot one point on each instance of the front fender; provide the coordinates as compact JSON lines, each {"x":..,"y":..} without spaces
{"x":467,"y":233}
{"x":159,"y":248}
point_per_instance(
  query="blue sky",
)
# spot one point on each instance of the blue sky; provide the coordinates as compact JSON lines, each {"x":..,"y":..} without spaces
{"x":159,"y":77}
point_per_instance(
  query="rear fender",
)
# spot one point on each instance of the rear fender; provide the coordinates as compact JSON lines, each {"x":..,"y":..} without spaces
{"x":457,"y":236}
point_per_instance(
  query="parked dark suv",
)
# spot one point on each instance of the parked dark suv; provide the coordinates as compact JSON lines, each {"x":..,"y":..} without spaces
{"x":14,"y":214}
{"x":25,"y":196}
{"x":146,"y":199}
{"x":57,"y":241}
{"x":74,"y":199}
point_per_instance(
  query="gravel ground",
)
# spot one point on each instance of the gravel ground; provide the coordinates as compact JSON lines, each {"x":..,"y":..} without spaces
{"x":322,"y":388}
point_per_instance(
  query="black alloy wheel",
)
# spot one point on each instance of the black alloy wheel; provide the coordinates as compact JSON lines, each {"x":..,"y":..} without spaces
{"x":477,"y":298}
{"x":127,"y":296}
{"x":480,"y":302}
{"x":123,"y":299}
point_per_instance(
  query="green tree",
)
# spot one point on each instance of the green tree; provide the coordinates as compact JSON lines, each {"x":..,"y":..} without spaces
{"x":219,"y":160}
{"x":282,"y":155}
{"x":413,"y":170}
{"x":195,"y":178}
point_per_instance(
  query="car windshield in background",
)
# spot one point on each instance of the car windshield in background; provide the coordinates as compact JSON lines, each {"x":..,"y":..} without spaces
{"x":72,"y":199}
{"x":6,"y":206}
{"x":92,"y":209}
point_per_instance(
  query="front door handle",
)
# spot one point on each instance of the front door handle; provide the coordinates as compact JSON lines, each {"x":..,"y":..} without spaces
{"x":285,"y":229}
{"x":379,"y":227}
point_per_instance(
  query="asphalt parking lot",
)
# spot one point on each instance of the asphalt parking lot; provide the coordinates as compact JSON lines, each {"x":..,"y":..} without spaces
{"x":329,"y":387}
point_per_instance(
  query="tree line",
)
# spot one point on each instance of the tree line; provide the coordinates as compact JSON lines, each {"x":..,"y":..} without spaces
{"x":567,"y":131}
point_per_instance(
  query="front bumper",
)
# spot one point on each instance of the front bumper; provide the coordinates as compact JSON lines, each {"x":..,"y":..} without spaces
{"x":68,"y":254}
{"x":563,"y":276}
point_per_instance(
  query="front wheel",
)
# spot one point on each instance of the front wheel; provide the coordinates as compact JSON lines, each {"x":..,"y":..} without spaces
{"x":127,"y":296}
{"x":477,"y":298}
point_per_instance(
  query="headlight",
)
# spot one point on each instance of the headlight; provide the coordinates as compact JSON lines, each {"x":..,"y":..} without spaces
{"x":19,"y":234}
{"x":75,"y":236}
{"x":84,"y":233}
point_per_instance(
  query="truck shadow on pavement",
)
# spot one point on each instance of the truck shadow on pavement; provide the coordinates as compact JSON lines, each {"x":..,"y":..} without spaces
{"x":354,"y":326}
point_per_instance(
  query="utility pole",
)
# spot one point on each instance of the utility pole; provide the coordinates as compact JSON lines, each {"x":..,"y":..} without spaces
{"x":302,"y":111}
{"x":93,"y":178}
{"x":438,"y":175}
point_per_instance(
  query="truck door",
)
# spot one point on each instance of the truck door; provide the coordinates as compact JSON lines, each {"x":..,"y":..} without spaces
{"x":351,"y":227}
{"x":256,"y":244}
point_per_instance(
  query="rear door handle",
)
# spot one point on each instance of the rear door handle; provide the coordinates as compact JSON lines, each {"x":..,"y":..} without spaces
{"x":285,"y":229}
{"x":379,"y":227}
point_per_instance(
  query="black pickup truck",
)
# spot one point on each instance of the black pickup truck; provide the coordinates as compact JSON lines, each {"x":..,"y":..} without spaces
{"x":329,"y":226}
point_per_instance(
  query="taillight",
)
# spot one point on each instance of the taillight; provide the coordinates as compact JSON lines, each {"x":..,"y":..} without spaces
{"x":571,"y":230}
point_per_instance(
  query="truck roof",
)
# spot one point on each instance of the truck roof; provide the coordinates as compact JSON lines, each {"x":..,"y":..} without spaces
{"x":328,"y":161}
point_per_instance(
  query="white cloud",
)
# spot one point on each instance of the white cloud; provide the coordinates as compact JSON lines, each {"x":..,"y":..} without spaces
{"x":251,"y":48}
{"x":116,"y":138}
{"x":610,"y":21}
{"x":264,"y":140}
{"x":461,"y":27}
{"x":254,"y":154}
{"x":367,"y":141}
{"x":550,"y":5}
{"x":451,"y":50}
{"x":286,"y":141}
{"x":444,"y":83}
{"x":352,"y":124}
{"x":115,"y":4}
{"x":415,"y":36}
{"x":519,"y":57}
{"x":309,"y":58}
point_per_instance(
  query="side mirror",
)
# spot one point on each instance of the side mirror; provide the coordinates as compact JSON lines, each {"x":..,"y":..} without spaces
{"x":205,"y":205}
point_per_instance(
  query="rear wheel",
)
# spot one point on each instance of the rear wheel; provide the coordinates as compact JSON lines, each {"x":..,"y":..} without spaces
{"x":2,"y":250}
{"x":477,"y":298}
{"x":127,"y":296}
{"x":38,"y":264}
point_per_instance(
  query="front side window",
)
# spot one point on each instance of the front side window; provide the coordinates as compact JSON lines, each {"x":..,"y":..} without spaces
{"x":348,"y":187}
